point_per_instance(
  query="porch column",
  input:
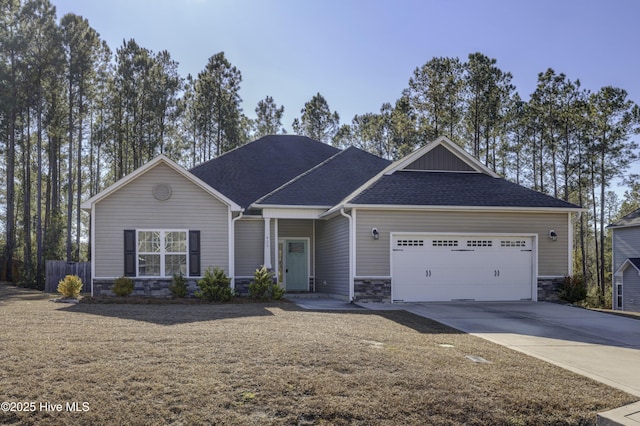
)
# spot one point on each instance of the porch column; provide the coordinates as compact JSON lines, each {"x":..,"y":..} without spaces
{"x":267,"y":243}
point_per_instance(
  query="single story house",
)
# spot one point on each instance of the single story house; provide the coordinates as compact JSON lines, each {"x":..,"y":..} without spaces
{"x":436,"y":225}
{"x":625,"y":241}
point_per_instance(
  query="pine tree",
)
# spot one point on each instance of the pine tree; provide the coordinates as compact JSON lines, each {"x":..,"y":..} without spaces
{"x":317,"y":120}
{"x":269,"y":118}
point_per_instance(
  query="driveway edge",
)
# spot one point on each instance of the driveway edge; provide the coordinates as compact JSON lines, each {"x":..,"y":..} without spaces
{"x":623,"y":416}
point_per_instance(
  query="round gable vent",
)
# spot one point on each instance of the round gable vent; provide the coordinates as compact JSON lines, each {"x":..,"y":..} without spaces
{"x":162,"y":191}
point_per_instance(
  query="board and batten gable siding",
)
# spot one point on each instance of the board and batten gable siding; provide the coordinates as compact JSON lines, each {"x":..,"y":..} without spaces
{"x":134,"y":207}
{"x":440,"y":158}
{"x":332,"y":256}
{"x":631,"y":290}
{"x":373,"y":256}
{"x":626,"y":244}
{"x":298,"y":228}
{"x":249,"y":252}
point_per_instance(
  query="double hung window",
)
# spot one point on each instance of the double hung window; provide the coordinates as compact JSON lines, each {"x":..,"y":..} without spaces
{"x":162,"y":253}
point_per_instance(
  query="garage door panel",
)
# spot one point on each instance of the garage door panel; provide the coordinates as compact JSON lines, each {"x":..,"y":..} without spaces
{"x":485,"y":267}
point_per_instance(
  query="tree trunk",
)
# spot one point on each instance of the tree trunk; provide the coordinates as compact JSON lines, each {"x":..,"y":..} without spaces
{"x":595,"y":223}
{"x":603,"y":184}
{"x":26,"y":212}
{"x":79,"y":169}
{"x":70,"y":171}
{"x":10,"y":243}
{"x":39,"y":245}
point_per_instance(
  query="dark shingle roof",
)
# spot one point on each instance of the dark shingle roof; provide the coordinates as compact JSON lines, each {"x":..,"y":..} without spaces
{"x":635,"y":261}
{"x":453,"y":189}
{"x":329,"y":182}
{"x":257,"y":168}
{"x":632,"y":219}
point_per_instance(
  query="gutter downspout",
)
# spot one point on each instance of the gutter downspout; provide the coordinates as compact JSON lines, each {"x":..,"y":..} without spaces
{"x":351,"y":253}
{"x":232,"y":250}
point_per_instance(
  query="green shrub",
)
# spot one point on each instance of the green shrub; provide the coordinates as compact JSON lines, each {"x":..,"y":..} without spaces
{"x":122,"y":286}
{"x":215,"y":286}
{"x":573,"y":289}
{"x":264,"y":287}
{"x":70,"y":286}
{"x":178,"y":286}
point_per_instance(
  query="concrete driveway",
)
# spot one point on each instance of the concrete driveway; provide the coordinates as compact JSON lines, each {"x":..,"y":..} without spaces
{"x":601,"y":346}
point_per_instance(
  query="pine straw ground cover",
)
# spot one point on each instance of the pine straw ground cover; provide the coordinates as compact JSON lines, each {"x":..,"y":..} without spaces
{"x":270,"y":363}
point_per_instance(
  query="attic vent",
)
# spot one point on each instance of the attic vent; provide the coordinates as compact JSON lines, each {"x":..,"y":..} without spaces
{"x":410,"y":243}
{"x":162,"y":191}
{"x":444,"y":243}
{"x":479,"y":243}
{"x":509,"y":243}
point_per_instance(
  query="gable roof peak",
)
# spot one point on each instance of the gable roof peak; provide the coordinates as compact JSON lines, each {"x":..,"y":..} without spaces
{"x":159,"y":159}
{"x":472,"y":163}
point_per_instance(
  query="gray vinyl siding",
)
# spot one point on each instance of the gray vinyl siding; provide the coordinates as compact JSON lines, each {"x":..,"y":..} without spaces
{"x":626,"y":244}
{"x":332,"y":256}
{"x":631,"y":290}
{"x":134,"y":207}
{"x":249,"y":245}
{"x":373,"y":258}
{"x":298,"y":228}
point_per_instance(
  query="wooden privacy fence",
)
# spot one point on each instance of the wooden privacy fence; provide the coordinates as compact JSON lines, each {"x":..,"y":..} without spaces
{"x":56,"y":270}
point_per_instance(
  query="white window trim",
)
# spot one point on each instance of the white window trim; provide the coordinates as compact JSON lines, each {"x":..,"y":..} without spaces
{"x":162,"y":252}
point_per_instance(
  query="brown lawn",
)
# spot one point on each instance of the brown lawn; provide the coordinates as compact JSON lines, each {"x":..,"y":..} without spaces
{"x":269,"y":364}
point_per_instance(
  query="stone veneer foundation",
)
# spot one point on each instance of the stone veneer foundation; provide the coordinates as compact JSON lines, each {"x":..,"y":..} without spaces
{"x":366,"y":290}
{"x":146,"y":287}
{"x":378,"y":290}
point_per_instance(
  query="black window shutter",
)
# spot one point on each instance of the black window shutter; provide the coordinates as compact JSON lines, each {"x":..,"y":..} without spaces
{"x":129,"y":253}
{"x":194,"y":253}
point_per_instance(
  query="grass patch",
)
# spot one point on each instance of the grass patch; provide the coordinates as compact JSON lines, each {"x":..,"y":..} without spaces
{"x":271,"y":363}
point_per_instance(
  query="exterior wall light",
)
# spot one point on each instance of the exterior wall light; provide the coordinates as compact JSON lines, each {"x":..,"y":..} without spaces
{"x":375,"y":234}
{"x":552,"y":234}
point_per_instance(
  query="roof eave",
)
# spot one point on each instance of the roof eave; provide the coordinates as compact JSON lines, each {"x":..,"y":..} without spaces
{"x":288,"y":206}
{"x":629,"y":225}
{"x":454,"y":208}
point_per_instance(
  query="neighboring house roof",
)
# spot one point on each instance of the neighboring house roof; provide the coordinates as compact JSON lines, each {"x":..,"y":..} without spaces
{"x":329,"y":182}
{"x":413,"y":188}
{"x":249,"y":172}
{"x":632,"y":261}
{"x":632,"y":219}
{"x":160,"y":159}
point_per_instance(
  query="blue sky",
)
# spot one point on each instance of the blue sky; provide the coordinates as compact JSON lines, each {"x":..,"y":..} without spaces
{"x":359,"y":54}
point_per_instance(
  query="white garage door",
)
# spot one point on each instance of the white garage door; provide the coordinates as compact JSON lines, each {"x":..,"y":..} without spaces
{"x":451,"y":267}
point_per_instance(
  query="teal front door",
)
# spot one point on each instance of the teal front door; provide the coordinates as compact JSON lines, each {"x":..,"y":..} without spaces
{"x":296,"y":265}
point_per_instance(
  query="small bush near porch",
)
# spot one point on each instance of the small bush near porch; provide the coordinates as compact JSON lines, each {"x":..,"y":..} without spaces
{"x":270,"y":363}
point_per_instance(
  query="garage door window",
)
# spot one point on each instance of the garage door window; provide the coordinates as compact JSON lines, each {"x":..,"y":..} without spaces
{"x":479,"y":243}
{"x":510,"y":243}
{"x":445,"y":243}
{"x":410,"y":243}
